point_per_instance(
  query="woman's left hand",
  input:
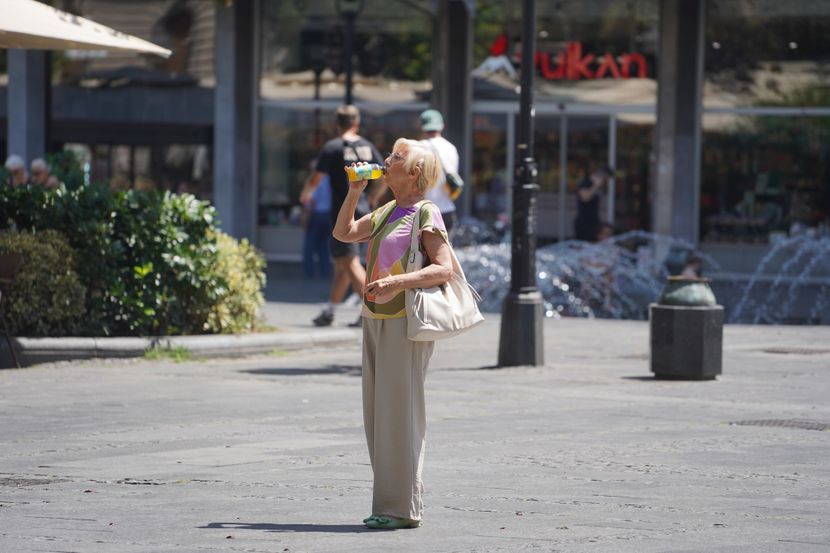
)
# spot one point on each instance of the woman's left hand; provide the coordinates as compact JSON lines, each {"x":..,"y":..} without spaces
{"x":359,"y":185}
{"x":381,"y":286}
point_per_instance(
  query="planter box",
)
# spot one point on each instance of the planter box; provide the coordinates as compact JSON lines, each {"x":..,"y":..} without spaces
{"x":686,"y":342}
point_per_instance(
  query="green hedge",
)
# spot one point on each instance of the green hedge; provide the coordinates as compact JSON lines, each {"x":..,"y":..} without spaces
{"x":47,"y":297}
{"x":149,"y":261}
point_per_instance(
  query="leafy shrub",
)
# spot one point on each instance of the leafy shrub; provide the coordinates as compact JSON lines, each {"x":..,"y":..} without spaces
{"x":166,"y":283}
{"x":47,"y":298}
{"x":86,"y":217}
{"x":147,"y":259}
{"x":241,"y":267}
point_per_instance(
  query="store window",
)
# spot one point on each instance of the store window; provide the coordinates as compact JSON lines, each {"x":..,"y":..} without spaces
{"x":764,"y":178}
{"x":767,"y":53}
{"x":302,"y":50}
{"x":595,"y":86}
{"x":767,"y":121}
{"x":632,"y":199}
{"x":490,"y":178}
{"x":179,"y":168}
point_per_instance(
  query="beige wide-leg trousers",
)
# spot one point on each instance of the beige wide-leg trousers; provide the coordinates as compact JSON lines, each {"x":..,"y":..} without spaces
{"x":394,"y":415}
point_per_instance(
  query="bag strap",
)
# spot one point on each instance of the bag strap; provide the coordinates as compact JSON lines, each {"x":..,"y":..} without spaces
{"x":438,"y":158}
{"x":415,"y":252}
{"x":413,"y":238}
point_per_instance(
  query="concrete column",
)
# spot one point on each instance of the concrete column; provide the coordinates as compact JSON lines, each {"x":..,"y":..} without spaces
{"x":676,"y":205}
{"x":452,"y":91}
{"x":28,"y":96}
{"x":440,"y":38}
{"x":234,"y":187}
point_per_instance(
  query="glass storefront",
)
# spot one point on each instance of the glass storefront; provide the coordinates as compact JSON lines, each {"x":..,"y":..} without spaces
{"x":599,"y":53}
{"x":764,"y":177}
{"x":302,"y":82}
{"x":595,"y":90}
{"x":763,"y":156}
{"x":766,"y":121}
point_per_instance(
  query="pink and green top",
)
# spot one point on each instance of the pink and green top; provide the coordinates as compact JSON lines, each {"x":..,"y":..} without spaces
{"x":388,"y":252}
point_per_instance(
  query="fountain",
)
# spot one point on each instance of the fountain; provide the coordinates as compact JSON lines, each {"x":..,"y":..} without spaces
{"x":791,"y":284}
{"x":619,"y":277}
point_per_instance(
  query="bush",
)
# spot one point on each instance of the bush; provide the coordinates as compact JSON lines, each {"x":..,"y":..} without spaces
{"x":149,"y":260}
{"x":66,"y":166}
{"x":241,"y":267}
{"x":166,"y":282}
{"x":47,"y":298}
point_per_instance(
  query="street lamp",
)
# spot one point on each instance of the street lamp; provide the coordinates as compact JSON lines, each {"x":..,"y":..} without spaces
{"x":348,"y":10}
{"x":521,"y":339}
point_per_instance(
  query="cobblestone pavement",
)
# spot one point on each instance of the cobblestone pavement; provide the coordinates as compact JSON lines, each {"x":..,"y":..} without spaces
{"x":267,"y":454}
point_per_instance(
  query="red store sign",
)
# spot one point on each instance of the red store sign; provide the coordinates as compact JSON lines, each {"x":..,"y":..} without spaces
{"x":574,"y":65}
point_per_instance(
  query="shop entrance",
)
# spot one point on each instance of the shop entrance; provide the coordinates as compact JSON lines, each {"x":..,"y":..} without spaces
{"x":567,"y":149}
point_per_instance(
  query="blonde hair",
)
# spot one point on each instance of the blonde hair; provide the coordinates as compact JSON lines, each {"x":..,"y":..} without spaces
{"x":421,"y":156}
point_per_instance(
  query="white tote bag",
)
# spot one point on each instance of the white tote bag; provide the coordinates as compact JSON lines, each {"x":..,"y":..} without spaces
{"x":441,"y":311}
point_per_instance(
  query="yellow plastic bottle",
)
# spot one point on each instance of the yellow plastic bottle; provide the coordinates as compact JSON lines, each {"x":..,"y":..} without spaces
{"x":366,"y":172}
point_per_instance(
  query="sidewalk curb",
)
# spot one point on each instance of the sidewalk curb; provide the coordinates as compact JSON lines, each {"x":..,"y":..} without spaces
{"x":43,"y":350}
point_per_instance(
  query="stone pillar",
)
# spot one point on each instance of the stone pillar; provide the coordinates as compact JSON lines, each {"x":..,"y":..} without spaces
{"x":676,"y":206}
{"x":452,"y":90}
{"x":28,"y":108}
{"x":234,"y":186}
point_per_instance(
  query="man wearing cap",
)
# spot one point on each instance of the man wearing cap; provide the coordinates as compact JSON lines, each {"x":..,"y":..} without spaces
{"x":432,"y":124}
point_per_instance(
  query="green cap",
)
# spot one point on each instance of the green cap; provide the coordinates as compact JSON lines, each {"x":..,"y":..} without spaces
{"x":431,"y":120}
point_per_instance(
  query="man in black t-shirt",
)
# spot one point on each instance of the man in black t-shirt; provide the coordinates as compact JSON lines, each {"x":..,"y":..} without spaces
{"x":344,"y":150}
{"x":589,"y":190}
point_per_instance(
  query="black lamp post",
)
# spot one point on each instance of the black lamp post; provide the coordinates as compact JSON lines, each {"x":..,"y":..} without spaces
{"x":348,"y":10}
{"x":521,"y":339}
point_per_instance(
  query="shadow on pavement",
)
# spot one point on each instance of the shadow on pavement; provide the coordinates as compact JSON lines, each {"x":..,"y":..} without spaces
{"x":271,"y":527}
{"x":652,"y":378}
{"x":492,"y":368}
{"x":350,"y":370}
{"x":285,"y":282}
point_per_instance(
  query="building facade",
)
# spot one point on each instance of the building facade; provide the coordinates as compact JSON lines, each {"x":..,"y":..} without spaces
{"x":714,"y":114}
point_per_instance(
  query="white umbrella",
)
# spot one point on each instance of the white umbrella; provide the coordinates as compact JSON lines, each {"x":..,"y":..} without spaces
{"x":30,"y":24}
